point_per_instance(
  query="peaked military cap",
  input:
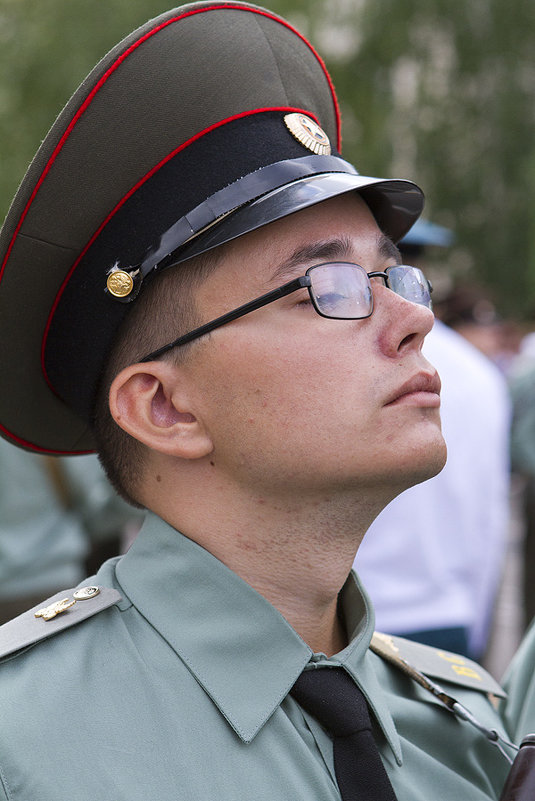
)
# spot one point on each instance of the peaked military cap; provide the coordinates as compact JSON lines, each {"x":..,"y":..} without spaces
{"x":209,"y":121}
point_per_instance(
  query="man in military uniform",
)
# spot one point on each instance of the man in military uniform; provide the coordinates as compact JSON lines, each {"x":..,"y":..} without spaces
{"x":216,"y":306}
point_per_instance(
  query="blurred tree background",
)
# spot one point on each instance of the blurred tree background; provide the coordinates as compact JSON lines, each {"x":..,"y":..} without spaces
{"x":439,"y":91}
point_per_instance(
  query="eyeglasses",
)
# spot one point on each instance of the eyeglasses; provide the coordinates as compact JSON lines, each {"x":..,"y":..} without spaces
{"x":338,"y":290}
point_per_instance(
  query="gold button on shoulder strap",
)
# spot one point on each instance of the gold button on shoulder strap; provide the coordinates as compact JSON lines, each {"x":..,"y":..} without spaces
{"x":58,"y":607}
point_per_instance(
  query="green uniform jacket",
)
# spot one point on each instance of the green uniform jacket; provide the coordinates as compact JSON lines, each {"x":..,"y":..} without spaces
{"x":518,"y":710}
{"x":172,"y":683}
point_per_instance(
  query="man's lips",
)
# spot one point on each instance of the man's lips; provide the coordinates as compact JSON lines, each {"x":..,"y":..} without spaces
{"x":423,"y":387}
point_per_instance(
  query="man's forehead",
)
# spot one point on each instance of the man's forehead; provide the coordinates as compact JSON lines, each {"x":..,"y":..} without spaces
{"x":338,"y":229}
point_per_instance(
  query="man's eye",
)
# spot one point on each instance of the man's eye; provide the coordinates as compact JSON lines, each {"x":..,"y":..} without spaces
{"x":302,"y":299}
{"x":332,"y":300}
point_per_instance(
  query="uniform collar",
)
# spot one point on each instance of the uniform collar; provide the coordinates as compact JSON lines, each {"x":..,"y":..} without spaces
{"x":237,"y":645}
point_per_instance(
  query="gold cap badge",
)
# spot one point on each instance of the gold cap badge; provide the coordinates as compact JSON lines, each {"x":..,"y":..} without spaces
{"x":57,"y":608}
{"x":308,"y":133}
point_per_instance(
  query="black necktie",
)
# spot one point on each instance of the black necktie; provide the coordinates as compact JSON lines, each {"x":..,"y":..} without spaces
{"x":331,"y":696}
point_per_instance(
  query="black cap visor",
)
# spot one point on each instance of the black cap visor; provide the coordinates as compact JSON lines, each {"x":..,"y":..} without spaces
{"x":395,"y":204}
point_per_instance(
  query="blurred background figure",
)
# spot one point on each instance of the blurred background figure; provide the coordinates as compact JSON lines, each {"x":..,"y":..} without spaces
{"x":432,"y":560}
{"x":469,"y":309}
{"x":522,"y":386}
{"x":59,"y":518}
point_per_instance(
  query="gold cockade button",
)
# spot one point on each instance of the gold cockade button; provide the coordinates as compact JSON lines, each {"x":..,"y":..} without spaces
{"x":119,"y":283}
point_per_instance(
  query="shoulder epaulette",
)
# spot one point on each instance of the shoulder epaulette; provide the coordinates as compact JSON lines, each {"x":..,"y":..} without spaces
{"x":61,"y":611}
{"x":437,"y":664}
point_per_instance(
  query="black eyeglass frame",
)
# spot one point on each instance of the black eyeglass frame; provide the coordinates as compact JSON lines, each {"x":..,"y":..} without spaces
{"x":270,"y":297}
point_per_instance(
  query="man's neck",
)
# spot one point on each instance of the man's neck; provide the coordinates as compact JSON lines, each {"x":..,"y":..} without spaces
{"x":297,"y":556}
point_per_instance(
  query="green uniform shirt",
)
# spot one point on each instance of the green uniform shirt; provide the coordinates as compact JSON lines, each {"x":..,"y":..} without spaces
{"x":180,"y":691}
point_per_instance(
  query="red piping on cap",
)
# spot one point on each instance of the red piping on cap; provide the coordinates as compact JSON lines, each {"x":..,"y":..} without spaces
{"x":87,"y":102}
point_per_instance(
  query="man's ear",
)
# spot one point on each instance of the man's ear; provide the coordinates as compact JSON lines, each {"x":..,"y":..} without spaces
{"x":150,"y":402}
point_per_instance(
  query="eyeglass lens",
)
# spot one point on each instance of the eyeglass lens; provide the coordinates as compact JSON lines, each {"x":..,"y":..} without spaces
{"x":341,"y":290}
{"x":344,"y":291}
{"x":410,"y":283}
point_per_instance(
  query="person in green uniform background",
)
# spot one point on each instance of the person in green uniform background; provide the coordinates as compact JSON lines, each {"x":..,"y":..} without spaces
{"x":59,"y":519}
{"x":218,"y":308}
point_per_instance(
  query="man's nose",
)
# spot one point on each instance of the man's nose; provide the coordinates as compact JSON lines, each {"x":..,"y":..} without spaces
{"x":404,"y":324}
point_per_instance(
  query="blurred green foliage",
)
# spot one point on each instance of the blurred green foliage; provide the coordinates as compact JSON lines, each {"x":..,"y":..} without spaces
{"x":439,"y":91}
{"x":47,"y":47}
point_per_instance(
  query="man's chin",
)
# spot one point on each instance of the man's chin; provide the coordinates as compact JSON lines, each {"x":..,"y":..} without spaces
{"x":425,"y":464}
{"x":432,"y":463}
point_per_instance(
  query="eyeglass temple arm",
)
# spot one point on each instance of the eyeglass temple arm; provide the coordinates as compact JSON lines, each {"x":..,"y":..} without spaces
{"x":241,"y":311}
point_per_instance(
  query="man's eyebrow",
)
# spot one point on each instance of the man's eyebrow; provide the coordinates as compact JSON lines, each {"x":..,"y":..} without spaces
{"x":335,"y":249}
{"x":387,"y":249}
{"x":332,"y":249}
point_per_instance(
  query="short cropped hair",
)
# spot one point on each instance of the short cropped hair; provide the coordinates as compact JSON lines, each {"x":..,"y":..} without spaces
{"x":164,"y":310}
